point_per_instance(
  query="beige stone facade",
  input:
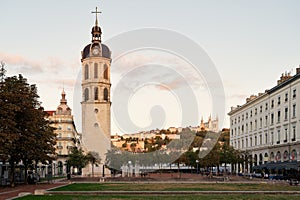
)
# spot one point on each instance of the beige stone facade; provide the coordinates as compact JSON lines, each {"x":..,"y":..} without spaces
{"x":267,"y":125}
{"x":96,"y":60}
{"x":67,"y":136}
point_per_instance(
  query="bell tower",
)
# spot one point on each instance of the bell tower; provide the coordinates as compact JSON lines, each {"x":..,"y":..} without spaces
{"x":96,"y":60}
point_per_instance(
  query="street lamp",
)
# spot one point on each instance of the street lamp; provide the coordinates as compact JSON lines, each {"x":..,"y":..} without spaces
{"x":197,"y":162}
{"x":129,"y":163}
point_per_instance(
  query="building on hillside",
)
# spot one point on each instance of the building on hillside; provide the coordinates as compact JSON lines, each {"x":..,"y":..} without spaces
{"x":267,"y":126}
{"x":67,"y":136}
{"x":210,"y":125}
{"x":141,"y":135}
{"x":173,"y":129}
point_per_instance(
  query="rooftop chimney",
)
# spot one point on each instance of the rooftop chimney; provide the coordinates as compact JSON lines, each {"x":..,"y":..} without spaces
{"x":298,"y":70}
{"x":284,"y":76}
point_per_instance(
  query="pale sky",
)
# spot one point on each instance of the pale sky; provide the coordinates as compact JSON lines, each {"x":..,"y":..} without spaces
{"x":250,"y":43}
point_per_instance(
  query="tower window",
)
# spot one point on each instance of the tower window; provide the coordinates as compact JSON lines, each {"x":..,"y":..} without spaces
{"x":105,"y":75}
{"x":86,"y":72}
{"x":86,"y":94}
{"x":96,"y":93}
{"x":105,"y":94}
{"x":95,"y":70}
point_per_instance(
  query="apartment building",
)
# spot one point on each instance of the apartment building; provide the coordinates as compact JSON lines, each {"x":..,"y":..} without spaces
{"x":267,"y":126}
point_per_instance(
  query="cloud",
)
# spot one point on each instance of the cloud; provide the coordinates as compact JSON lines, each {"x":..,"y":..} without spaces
{"x":60,"y":82}
{"x":21,"y":64}
{"x":237,"y":96}
{"x":167,"y":70}
{"x":171,"y":85}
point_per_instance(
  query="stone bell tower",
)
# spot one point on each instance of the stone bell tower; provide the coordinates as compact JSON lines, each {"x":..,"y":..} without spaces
{"x":96,"y":60}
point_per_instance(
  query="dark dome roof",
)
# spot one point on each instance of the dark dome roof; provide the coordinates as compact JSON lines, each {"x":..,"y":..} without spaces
{"x":96,"y":28}
{"x":105,"y":51}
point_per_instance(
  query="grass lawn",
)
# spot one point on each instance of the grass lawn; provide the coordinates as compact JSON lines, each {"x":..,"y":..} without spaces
{"x":179,"y":197}
{"x":176,"y":187}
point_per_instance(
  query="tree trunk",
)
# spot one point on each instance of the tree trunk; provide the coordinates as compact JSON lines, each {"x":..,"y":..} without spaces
{"x":12,"y":173}
{"x":26,"y":174}
{"x":92,"y":170}
{"x":179,"y":170}
{"x":36,"y":166}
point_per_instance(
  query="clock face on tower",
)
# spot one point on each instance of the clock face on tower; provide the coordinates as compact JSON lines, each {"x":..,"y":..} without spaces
{"x":96,"y":51}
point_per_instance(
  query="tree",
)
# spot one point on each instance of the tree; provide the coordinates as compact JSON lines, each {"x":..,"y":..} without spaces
{"x":8,"y":129}
{"x":132,"y":146}
{"x":37,"y":140}
{"x":2,"y":71}
{"x":212,"y":159}
{"x":25,"y":134}
{"x":227,"y":155}
{"x":94,"y":159}
{"x":77,"y":159}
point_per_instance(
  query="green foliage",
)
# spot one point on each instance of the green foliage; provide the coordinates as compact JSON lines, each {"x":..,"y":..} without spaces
{"x":180,"y":151}
{"x":77,"y":159}
{"x":25,"y":134}
{"x":93,"y":158}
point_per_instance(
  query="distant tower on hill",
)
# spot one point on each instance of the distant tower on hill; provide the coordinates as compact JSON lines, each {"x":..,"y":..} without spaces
{"x":210,"y":125}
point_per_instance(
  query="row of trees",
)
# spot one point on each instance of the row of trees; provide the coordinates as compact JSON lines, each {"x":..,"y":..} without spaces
{"x":77,"y":158}
{"x":25,"y":134}
{"x":183,"y":151}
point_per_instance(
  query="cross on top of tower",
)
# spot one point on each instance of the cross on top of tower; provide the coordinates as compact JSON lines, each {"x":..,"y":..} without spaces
{"x":96,"y":12}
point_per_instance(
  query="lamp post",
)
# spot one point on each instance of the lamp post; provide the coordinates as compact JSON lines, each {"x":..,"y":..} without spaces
{"x":129,"y":163}
{"x":197,"y":162}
